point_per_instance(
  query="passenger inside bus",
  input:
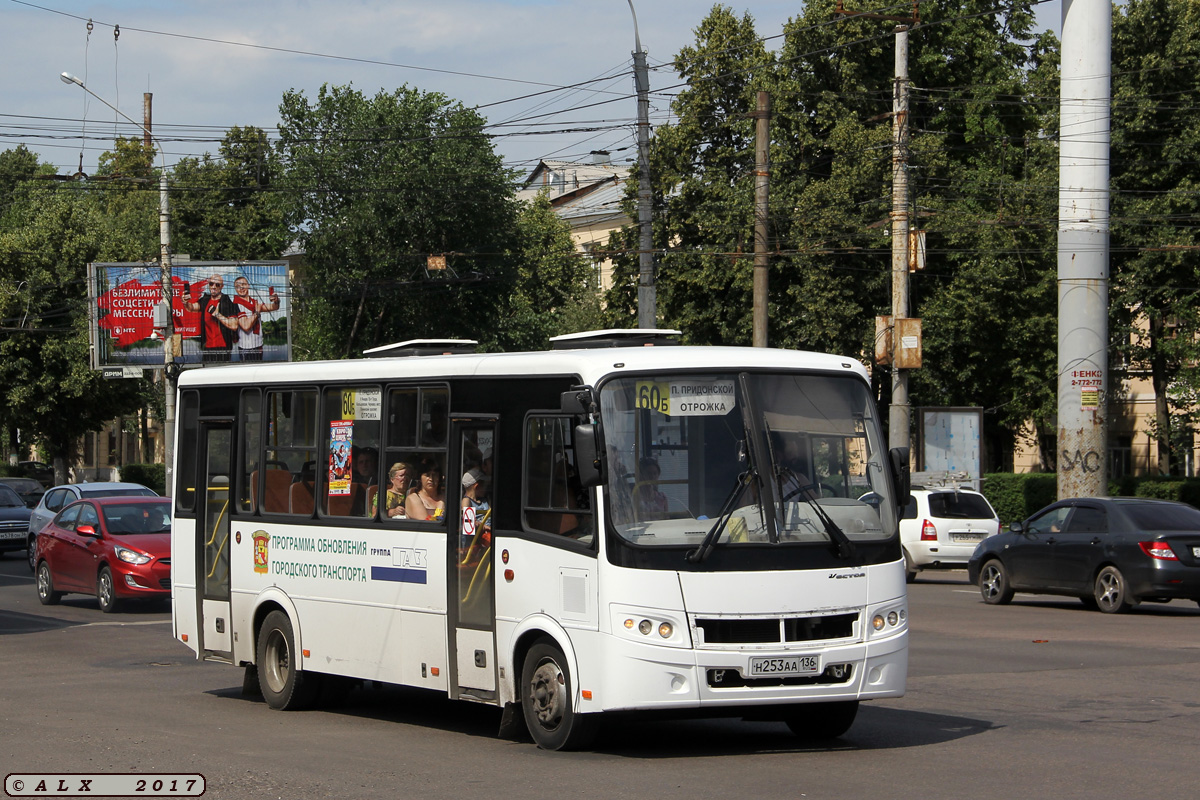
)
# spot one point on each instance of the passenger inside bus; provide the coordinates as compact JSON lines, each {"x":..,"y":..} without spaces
{"x":429,"y":501}
{"x":399,"y":482}
{"x":651,"y":503}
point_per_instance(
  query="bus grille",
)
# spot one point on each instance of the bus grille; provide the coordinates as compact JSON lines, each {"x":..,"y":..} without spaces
{"x":774,"y":630}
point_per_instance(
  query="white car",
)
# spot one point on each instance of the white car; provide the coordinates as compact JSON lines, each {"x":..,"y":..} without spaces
{"x":58,"y":498}
{"x":941,"y":526}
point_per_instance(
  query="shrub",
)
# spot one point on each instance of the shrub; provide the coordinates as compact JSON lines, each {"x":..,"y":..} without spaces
{"x":153,"y":476}
{"x":1016,"y":496}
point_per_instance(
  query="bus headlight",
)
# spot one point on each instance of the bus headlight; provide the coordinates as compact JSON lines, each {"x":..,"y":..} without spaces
{"x":889,"y":620}
{"x":641,"y":624}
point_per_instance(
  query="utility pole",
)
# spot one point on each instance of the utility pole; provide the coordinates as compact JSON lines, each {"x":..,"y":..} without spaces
{"x":1083,"y":258}
{"x":168,"y":292}
{"x":762,"y":175}
{"x":647,"y":294}
{"x":164,"y":241}
{"x":900,"y":412}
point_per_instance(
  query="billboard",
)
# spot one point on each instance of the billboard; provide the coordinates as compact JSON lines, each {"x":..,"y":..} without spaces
{"x":952,"y":442}
{"x":222,"y":312}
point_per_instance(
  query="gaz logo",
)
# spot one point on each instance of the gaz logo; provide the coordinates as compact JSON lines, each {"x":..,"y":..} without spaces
{"x":260,"y":551}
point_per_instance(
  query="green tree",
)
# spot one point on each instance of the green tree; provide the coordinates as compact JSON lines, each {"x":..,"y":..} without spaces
{"x":373,"y":186}
{"x":48,"y":234}
{"x":1155,"y":241}
{"x":228,"y":207}
{"x":555,"y":291}
{"x":703,"y":174}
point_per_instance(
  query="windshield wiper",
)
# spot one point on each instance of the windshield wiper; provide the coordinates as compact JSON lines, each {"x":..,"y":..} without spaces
{"x":845,"y":547}
{"x":714,"y":533}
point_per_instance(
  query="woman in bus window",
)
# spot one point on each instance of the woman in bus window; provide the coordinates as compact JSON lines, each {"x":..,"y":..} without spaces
{"x":428,"y":502}
{"x":397,"y":492}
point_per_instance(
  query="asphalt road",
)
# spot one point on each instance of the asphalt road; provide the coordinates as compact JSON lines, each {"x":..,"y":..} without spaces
{"x":1038,"y":699}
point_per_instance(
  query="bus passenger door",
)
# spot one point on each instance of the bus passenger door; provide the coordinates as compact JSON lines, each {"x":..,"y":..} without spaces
{"x":213,"y":559}
{"x":469,"y":551}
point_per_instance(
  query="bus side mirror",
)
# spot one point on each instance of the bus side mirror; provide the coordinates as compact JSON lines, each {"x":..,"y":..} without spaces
{"x":578,"y":402}
{"x":588,"y":462}
{"x":900,"y":471}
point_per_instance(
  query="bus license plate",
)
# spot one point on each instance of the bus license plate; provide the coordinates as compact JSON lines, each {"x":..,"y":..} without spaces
{"x":767,"y":667}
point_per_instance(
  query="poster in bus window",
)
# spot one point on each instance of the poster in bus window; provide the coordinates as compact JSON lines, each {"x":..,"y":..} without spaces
{"x":341,"y":434}
{"x":253,"y":297}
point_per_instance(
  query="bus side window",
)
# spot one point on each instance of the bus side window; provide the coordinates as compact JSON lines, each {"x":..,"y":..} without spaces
{"x":291,"y":436}
{"x":554,"y":500}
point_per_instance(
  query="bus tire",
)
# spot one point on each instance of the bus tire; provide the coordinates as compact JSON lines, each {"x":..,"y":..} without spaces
{"x":820,"y":721}
{"x":284,"y":687}
{"x":547,"y":691}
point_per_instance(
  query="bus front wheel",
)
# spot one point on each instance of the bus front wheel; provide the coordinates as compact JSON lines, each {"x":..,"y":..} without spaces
{"x":283,"y":685}
{"x":547,"y":692}
{"x":819,"y":721}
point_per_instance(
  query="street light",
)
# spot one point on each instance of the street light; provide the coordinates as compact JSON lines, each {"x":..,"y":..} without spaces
{"x":164,"y":239}
{"x":647,"y":296}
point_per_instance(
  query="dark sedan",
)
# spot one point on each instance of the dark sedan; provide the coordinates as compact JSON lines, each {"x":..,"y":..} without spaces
{"x":14,"y":520}
{"x":1111,"y":553}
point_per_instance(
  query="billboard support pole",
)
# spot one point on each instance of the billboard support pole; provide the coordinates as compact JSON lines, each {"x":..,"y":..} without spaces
{"x":169,"y":374}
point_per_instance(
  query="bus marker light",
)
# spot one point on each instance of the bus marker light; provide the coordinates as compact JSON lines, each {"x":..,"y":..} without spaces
{"x":504,"y":556}
{"x":508,"y":575}
{"x":185,"y":637}
{"x":645,"y":626}
{"x":665,"y":630}
{"x":877,"y":622}
{"x":307,"y":654}
{"x":893,"y":618}
{"x":629,"y":623}
{"x":435,"y":671}
{"x":587,"y":694}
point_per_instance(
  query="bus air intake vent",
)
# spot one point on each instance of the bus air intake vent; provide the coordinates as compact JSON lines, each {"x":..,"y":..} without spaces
{"x":616,"y":337}
{"x":423,"y":347}
{"x":776,"y":630}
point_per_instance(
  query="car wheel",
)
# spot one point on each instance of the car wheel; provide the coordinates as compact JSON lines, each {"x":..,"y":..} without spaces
{"x":1111,"y":592}
{"x":910,"y":571}
{"x":547,"y":693}
{"x":45,"y":586}
{"x":31,"y":553}
{"x":820,"y":721}
{"x":993,"y":584}
{"x":283,"y":686}
{"x":106,"y":591}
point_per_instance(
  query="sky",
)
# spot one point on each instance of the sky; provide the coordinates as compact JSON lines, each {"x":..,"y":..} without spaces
{"x":213,"y":64}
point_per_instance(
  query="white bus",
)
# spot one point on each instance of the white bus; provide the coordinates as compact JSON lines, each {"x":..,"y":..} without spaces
{"x":630,"y":525}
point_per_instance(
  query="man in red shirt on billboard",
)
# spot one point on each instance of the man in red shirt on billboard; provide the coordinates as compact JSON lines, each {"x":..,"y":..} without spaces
{"x":249,"y":312}
{"x":218,"y":320}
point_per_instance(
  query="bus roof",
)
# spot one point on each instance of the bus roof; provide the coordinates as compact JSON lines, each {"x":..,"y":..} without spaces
{"x":591,"y":365}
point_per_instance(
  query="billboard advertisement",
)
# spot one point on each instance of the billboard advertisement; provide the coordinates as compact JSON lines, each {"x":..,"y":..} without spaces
{"x":222,"y":311}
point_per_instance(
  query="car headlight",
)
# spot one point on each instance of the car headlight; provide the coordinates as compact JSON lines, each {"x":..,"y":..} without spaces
{"x":132,"y":556}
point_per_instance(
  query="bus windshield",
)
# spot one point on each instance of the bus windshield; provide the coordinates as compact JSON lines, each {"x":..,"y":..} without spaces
{"x":739,"y":459}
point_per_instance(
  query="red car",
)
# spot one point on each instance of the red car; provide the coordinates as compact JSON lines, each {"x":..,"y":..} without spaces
{"x":116,"y":548}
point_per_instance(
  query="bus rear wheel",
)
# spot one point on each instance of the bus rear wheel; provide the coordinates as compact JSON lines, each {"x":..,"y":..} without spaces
{"x":547,"y":694}
{"x":819,"y":721}
{"x":283,"y":685}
